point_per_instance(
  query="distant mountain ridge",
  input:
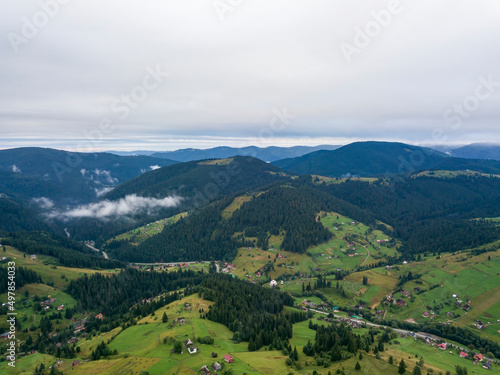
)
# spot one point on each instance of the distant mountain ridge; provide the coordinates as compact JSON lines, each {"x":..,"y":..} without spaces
{"x":365,"y":159}
{"x":268,"y":154}
{"x":68,"y":177}
{"x":487,"y":151}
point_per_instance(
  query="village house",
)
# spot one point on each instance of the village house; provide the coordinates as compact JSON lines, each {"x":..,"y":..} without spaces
{"x":99,"y":316}
{"x":192,"y":349}
{"x":188,"y":342}
{"x":478,"y":357}
{"x":464,"y":355}
{"x":204,"y":370}
{"x":442,"y":346}
{"x":216,"y":366}
{"x":425,"y":314}
{"x":228,"y":358}
{"x":405,"y":293}
{"x":487,"y":365}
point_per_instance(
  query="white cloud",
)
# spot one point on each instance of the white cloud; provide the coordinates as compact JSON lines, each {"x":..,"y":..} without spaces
{"x":130,"y":205}
{"x":106,"y":175}
{"x":103,"y":191}
{"x":16,"y":169}
{"x":154,"y":167}
{"x":44,"y":202}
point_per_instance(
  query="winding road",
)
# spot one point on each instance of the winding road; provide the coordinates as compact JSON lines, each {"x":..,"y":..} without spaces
{"x":93,"y":248}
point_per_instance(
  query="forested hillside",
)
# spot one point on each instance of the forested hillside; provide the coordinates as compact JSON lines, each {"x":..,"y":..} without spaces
{"x":67,"y":252}
{"x":363,"y":159}
{"x":15,"y":216}
{"x":428,"y":213}
{"x":288,"y":210}
{"x":201,"y":182}
{"x":385,"y":159}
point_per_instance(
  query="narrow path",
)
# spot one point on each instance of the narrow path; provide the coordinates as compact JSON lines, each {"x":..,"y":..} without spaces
{"x":416,"y":295}
{"x":366,"y":247}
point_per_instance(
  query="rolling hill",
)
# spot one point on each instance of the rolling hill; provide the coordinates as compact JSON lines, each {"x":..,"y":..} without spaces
{"x":364,"y":159}
{"x":202,"y":181}
{"x":381,"y":159}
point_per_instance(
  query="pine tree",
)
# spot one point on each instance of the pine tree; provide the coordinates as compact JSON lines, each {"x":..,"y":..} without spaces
{"x":357,"y":367}
{"x":402,"y":367}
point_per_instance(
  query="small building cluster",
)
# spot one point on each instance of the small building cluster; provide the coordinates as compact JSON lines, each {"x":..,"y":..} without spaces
{"x":216,"y":366}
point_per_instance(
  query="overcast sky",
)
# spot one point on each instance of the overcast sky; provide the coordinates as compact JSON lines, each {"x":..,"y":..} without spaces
{"x":163,"y":75}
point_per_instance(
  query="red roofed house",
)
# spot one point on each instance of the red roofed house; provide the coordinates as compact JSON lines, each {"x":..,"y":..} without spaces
{"x":478,"y":357}
{"x":228,"y":358}
{"x":464,"y":355}
{"x":99,"y":316}
{"x":442,"y":346}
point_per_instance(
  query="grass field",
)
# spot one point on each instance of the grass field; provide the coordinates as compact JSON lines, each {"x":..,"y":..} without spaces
{"x":354,"y":244}
{"x":141,"y":234}
{"x":434,"y":358}
{"x":148,"y":346}
{"x":471,"y":278}
{"x":235,"y":204}
{"x":317,"y":179}
{"x":24,"y":306}
{"x":46,"y":267}
{"x":451,"y":174}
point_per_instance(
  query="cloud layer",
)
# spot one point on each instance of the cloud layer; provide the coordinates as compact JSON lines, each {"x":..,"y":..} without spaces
{"x":128,"y":206}
{"x":92,"y":61}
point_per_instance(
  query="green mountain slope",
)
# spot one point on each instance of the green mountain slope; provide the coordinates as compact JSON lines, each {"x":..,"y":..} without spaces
{"x":202,"y":181}
{"x":287,"y":212}
{"x":384,"y":159}
{"x":364,"y":159}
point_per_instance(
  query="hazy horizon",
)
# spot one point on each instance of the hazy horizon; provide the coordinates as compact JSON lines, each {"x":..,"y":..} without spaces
{"x":122,"y":75}
{"x":236,"y":146}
